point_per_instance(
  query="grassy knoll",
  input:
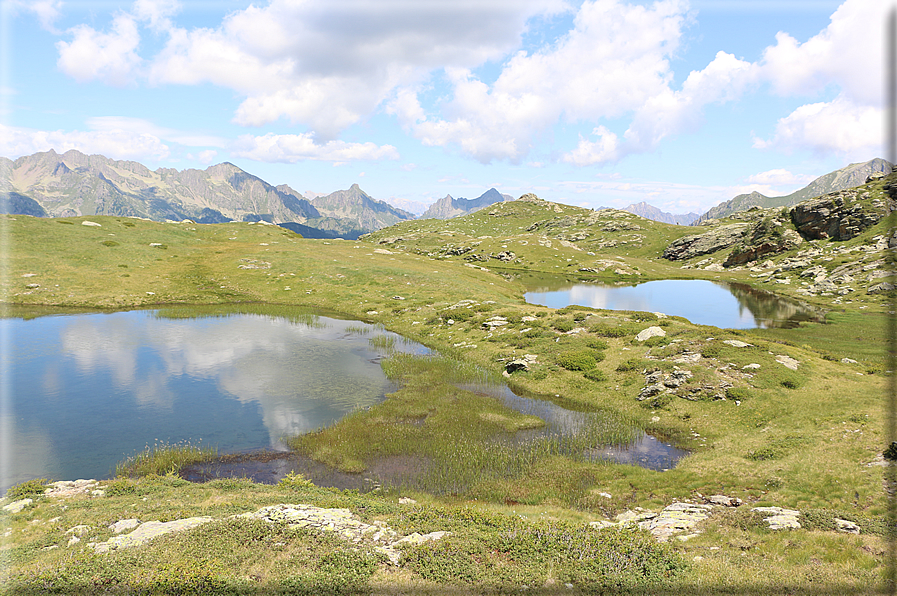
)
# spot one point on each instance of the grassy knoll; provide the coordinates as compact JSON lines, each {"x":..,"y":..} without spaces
{"x":759,"y":431}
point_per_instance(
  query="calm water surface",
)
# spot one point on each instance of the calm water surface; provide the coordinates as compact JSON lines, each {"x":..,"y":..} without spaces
{"x":725,"y":305}
{"x":89,"y":390}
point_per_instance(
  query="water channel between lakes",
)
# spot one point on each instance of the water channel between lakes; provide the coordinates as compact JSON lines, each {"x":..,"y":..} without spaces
{"x":85,"y":391}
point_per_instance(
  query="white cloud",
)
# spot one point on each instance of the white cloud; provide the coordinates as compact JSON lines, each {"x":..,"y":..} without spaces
{"x":779,"y":177}
{"x":294,"y":148}
{"x":848,"y":53}
{"x":117,"y":144}
{"x":206,"y":157}
{"x":157,"y":12}
{"x":111,"y":57}
{"x":612,"y":61}
{"x":605,"y":149}
{"x":141,"y":126}
{"x":330,"y":64}
{"x":839,"y":126}
{"x":46,"y":11}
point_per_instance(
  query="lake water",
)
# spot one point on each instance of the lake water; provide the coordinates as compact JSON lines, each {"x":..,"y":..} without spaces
{"x":89,"y":390}
{"x":82,"y":392}
{"x":725,"y":305}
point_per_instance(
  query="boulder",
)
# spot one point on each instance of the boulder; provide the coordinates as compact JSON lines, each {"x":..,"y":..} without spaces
{"x":650,"y":332}
{"x":879,"y":288}
{"x":517,"y":364}
{"x":842,"y":525}
{"x":17,"y":506}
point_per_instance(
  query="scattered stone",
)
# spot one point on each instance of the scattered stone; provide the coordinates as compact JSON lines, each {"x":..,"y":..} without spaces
{"x":780,"y":519}
{"x":124,"y":524}
{"x":91,"y":223}
{"x":147,"y":531}
{"x":706,"y":243}
{"x":787,"y":362}
{"x":751,"y":366}
{"x":398,"y":298}
{"x":496,"y":321}
{"x":17,"y":506}
{"x":846,"y":526}
{"x":736,"y":343}
{"x":407,"y":501}
{"x":79,"y":530}
{"x":650,"y":332}
{"x":848,"y":361}
{"x":29,"y":275}
{"x":677,"y":518}
{"x":382,"y":251}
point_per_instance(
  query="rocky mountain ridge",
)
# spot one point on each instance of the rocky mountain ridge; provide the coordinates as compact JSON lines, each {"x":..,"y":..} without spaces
{"x":52,"y":185}
{"x":847,"y":177}
{"x":448,"y":207}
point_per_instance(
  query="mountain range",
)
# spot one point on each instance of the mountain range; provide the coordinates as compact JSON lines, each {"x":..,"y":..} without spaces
{"x":647,"y":211}
{"x":849,"y":176}
{"x":52,"y":185}
{"x":448,"y":206}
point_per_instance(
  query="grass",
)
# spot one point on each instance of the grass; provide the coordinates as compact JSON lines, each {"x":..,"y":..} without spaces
{"x":164,"y":458}
{"x":793,"y":441}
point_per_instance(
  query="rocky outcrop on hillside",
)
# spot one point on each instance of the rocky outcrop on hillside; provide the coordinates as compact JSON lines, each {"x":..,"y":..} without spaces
{"x":706,"y":243}
{"x":836,"y":216}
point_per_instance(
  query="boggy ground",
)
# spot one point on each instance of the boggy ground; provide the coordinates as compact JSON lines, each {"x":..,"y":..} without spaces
{"x":808,"y":439}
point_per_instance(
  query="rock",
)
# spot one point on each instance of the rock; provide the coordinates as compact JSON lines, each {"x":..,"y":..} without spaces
{"x":382,"y":251}
{"x":91,"y":224}
{"x":780,"y":519}
{"x":736,"y":343}
{"x":677,"y":518}
{"x":650,"y":391}
{"x":505,"y":256}
{"x":706,"y":243}
{"x":79,"y":530}
{"x":147,"y":531}
{"x":123,"y":525}
{"x":17,"y":506}
{"x":752,"y":366}
{"x":650,"y":332}
{"x":879,"y":288}
{"x":70,"y":488}
{"x":415,"y":538}
{"x":767,"y":237}
{"x":787,"y":362}
{"x":724,"y":501}
{"x":496,"y":321}
{"x":714,"y":267}
{"x":407,"y":501}
{"x":515,"y":365}
{"x":848,"y":361}
{"x":846,"y":526}
{"x":829,"y":217}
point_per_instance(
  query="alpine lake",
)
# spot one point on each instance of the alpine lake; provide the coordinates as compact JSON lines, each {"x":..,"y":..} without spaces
{"x":90,"y":389}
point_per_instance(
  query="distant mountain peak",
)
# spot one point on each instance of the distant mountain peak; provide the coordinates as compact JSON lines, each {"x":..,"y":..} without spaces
{"x":651,"y":212}
{"x":448,"y":207}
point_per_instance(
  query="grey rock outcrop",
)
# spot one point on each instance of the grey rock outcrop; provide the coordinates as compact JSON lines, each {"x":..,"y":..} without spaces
{"x":709,"y":242}
{"x":837,"y":216}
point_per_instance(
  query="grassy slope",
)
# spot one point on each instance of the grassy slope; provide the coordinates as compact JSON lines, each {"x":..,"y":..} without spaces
{"x":803,"y":446}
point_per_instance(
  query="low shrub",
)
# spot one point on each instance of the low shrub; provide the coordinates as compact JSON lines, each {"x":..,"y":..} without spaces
{"x":30,"y":488}
{"x":295,"y":481}
{"x":606,"y":331}
{"x":595,"y":375}
{"x":643,"y":316}
{"x":738,"y":393}
{"x":563,"y":325}
{"x":577,"y":360}
{"x":597,"y":344}
{"x":632,"y":364}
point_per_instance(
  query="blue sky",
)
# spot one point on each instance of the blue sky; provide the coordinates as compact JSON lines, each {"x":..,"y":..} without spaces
{"x":591,"y":103}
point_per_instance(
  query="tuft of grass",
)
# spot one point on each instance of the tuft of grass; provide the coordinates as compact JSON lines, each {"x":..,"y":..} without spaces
{"x":163,"y":458}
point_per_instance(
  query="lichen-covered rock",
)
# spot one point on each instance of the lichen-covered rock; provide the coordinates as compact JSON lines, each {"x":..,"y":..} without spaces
{"x":147,"y":531}
{"x":779,"y":518}
{"x":706,"y":243}
{"x":650,"y":332}
{"x":17,"y":506}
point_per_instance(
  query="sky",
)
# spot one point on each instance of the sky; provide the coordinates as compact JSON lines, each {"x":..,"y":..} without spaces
{"x":585,"y":102}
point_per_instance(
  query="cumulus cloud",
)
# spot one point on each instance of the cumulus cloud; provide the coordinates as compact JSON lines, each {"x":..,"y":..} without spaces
{"x":330,"y":64}
{"x":117,"y":144}
{"x":613,"y":60}
{"x":141,"y":126}
{"x":109,"y":57}
{"x":293,"y":148}
{"x":847,"y":53}
{"x":839,"y":126}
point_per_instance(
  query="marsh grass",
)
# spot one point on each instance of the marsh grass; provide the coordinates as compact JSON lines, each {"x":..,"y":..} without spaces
{"x":163,"y":458}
